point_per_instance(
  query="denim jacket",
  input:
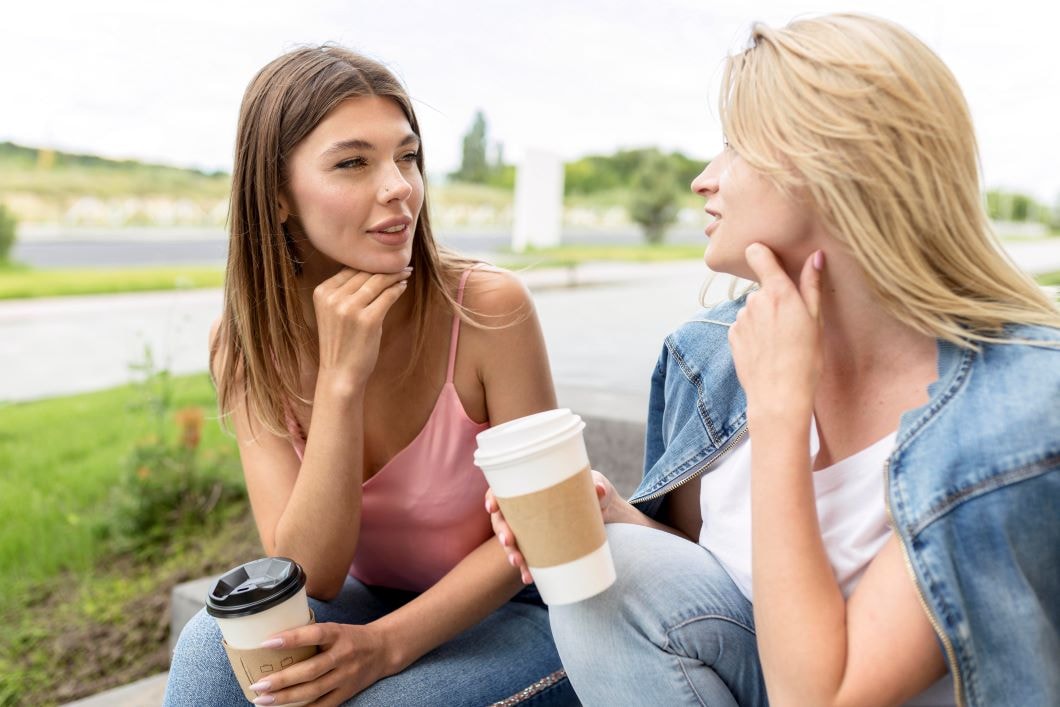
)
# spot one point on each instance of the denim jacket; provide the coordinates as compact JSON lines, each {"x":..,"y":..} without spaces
{"x":973,"y":489}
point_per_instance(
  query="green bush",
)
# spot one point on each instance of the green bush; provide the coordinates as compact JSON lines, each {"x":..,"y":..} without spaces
{"x":653,"y":202}
{"x":169,"y":490}
{"x":7,"y":233}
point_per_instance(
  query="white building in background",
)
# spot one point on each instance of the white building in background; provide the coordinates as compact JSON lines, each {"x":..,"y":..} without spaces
{"x":538,"y":212}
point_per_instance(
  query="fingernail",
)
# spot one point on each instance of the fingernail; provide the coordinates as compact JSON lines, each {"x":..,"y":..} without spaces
{"x":488,"y":510}
{"x":511,"y":561}
{"x":503,"y":538}
{"x":818,"y":260}
{"x":272,"y":643}
{"x":261,"y":686}
{"x":407,"y":268}
{"x":264,"y":700}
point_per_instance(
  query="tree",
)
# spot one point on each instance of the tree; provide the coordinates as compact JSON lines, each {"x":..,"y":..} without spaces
{"x":7,"y":233}
{"x":474,"y":165}
{"x":653,"y":200}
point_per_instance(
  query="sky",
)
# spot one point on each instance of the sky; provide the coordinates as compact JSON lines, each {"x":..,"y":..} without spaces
{"x":162,"y":82}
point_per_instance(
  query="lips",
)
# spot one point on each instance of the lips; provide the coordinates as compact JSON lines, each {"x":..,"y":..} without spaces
{"x":713,"y":224}
{"x":393,"y":231}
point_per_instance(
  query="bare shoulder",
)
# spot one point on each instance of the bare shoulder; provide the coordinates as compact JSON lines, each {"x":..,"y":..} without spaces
{"x":498,"y":297}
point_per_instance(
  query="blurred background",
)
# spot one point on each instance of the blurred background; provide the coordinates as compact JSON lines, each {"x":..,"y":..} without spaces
{"x":116,"y":139}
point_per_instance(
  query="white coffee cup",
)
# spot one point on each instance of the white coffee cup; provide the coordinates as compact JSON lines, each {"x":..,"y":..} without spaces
{"x":253,"y":602}
{"x":539,"y":472}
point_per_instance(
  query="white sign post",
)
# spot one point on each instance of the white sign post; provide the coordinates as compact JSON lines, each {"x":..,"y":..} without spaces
{"x":538,"y":216}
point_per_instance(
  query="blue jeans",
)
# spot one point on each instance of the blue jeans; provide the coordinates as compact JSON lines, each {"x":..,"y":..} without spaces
{"x":506,"y":653}
{"x":673,"y":630}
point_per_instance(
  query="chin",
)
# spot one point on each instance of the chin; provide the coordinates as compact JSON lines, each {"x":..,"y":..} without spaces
{"x":380,"y":263}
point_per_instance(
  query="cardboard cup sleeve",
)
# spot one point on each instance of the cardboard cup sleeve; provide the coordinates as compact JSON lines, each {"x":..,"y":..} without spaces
{"x":558,"y":524}
{"x":253,"y":664}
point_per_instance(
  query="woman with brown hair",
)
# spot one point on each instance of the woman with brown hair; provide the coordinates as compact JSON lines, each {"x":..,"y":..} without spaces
{"x":356,"y":360}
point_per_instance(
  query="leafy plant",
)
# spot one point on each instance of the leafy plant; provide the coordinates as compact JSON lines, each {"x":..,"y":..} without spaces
{"x":7,"y":233}
{"x":653,"y":202}
{"x":170,"y":489}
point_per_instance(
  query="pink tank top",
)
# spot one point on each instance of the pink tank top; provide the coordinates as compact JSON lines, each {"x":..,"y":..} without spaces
{"x":423,"y":511}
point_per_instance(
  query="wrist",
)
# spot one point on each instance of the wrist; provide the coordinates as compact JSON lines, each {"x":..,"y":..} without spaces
{"x":339,"y":386}
{"x":393,"y":648}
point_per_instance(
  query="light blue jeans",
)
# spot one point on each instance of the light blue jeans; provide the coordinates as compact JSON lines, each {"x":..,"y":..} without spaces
{"x":510,"y":651}
{"x":673,"y":630}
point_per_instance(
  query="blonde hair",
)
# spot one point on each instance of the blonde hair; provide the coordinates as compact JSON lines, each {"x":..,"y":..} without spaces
{"x":863,"y":117}
{"x":263,"y":337}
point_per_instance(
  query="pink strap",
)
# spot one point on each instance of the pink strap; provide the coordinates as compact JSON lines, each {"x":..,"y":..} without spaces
{"x":455,"y":334}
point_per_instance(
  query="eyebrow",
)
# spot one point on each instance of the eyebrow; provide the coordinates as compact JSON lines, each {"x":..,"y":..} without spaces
{"x":358,"y":144}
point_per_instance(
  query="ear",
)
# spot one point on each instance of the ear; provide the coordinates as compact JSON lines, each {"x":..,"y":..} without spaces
{"x":284,"y":208}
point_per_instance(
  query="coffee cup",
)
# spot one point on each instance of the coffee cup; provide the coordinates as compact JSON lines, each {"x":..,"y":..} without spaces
{"x":253,"y":602}
{"x":539,"y":472}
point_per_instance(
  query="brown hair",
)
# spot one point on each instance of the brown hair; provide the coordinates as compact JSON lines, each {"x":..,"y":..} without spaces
{"x":263,"y":337}
{"x":867,"y":119}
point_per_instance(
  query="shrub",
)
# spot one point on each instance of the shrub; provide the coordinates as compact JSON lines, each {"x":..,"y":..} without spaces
{"x":653,"y":202}
{"x":170,"y":490}
{"x":7,"y":233}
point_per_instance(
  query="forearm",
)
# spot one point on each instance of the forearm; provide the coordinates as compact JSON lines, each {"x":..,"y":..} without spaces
{"x":480,"y":584}
{"x":800,"y":613}
{"x":320,"y":524}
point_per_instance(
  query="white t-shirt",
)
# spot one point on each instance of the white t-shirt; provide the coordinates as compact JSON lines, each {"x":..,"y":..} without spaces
{"x":851,"y":512}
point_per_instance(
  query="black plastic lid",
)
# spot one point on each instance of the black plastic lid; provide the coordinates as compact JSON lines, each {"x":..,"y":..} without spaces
{"x":254,"y":587}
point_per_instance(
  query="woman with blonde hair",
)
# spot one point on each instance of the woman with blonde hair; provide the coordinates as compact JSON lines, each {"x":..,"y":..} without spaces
{"x":356,"y":361}
{"x":868,"y":444}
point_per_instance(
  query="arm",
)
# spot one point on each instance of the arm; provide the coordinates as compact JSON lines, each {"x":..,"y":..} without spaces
{"x":878,"y":647}
{"x":303,"y":510}
{"x":512,"y":367}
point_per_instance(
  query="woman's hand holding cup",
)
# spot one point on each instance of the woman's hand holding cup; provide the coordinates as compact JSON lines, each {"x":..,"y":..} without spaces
{"x":605,"y":491}
{"x":351,"y":659}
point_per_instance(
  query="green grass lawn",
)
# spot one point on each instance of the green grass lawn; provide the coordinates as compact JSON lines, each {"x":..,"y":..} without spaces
{"x":71,"y":599}
{"x":567,"y":256}
{"x":22,"y":283}
{"x":59,"y":460}
{"x":1051,"y":279}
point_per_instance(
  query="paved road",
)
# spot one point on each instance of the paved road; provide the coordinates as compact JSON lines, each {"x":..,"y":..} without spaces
{"x":604,"y":334}
{"x":130,"y":247}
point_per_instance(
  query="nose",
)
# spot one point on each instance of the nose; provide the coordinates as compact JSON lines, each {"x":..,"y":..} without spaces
{"x":394,"y":186}
{"x":707,"y":181}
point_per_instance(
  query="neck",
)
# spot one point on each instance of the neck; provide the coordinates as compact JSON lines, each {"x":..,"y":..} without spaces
{"x":861,"y":340}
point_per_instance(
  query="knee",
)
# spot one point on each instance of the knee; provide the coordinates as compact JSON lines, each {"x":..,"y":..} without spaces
{"x":618,"y":609}
{"x":199,"y":638}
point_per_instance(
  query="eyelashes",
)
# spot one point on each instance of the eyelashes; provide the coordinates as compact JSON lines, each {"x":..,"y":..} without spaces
{"x":359,"y":162}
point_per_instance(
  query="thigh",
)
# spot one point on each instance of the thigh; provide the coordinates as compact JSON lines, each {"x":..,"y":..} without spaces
{"x":674,"y":626}
{"x":510,"y":654}
{"x":200,"y":672}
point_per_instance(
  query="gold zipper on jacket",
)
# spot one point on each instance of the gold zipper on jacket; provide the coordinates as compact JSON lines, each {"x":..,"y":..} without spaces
{"x":951,"y":656}
{"x":728,"y":447}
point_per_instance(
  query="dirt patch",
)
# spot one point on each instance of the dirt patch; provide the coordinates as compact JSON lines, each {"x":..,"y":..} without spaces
{"x":72,"y":640}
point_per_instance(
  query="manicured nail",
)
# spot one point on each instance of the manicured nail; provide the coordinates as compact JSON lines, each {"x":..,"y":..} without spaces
{"x":407,"y":268}
{"x":261,"y":686}
{"x":503,"y":538}
{"x":818,"y":260}
{"x":272,"y":643}
{"x":264,"y":700}
{"x":511,"y":561}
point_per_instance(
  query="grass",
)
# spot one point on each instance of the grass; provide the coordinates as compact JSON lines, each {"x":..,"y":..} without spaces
{"x":1049,"y":279}
{"x":69,"y":600}
{"x":569,"y":256}
{"x":18,"y":282}
{"x":59,"y":459}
